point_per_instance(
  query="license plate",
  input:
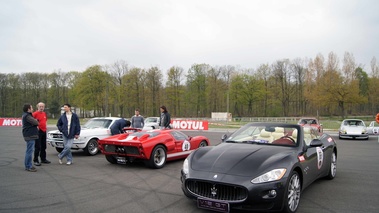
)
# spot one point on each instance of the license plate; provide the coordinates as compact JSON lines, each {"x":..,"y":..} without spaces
{"x":59,"y":144}
{"x":213,"y":205}
{"x":121,"y":160}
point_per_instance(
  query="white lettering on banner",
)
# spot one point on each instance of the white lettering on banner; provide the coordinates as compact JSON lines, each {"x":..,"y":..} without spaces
{"x":178,"y":124}
{"x":11,"y":122}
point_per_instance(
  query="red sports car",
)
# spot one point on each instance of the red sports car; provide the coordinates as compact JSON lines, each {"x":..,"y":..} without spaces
{"x":312,"y":122}
{"x":154,"y":147}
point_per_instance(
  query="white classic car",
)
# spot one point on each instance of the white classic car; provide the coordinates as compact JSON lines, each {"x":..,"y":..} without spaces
{"x":353,"y":128}
{"x":151,"y":123}
{"x":373,"y":128}
{"x":93,"y":130}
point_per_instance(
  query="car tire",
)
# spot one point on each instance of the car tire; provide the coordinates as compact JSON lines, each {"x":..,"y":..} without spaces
{"x":203,"y":143}
{"x":59,"y":149}
{"x":292,"y":193}
{"x":333,"y":167}
{"x":111,"y":159}
{"x":92,"y":147}
{"x":158,"y":157}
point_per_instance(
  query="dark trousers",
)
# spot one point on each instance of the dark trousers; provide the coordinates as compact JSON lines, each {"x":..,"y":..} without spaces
{"x":40,"y":147}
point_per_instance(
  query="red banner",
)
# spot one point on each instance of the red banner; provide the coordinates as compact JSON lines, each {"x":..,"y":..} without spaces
{"x":188,"y":124}
{"x":10,"y":122}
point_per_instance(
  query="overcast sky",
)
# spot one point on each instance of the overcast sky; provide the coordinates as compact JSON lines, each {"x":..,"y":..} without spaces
{"x":71,"y":35}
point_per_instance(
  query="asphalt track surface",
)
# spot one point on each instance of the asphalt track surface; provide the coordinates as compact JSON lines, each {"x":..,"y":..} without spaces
{"x":93,"y":185}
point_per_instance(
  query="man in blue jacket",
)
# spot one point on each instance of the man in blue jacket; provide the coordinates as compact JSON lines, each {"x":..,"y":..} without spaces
{"x":118,"y":126}
{"x":69,"y":125}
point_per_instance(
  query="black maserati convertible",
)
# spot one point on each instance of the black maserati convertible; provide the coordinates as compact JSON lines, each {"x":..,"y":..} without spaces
{"x":261,"y":166}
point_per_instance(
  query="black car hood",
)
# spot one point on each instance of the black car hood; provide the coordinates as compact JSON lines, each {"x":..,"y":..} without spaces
{"x":241,"y":159}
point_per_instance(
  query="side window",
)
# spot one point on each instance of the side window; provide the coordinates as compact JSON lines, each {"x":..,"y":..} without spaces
{"x":178,"y":135}
{"x":107,"y":123}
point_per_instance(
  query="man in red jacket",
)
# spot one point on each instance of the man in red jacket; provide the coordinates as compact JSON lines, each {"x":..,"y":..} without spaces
{"x":40,"y":145}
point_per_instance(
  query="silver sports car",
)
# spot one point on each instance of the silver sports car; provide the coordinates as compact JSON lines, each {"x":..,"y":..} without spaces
{"x":373,"y":128}
{"x":353,"y":128}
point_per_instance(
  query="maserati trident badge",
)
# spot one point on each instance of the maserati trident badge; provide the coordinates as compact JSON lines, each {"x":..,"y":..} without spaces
{"x":215,"y":176}
{"x":214,"y":191}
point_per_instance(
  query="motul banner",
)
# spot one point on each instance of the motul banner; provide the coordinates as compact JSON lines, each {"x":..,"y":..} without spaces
{"x":188,"y":124}
{"x":10,"y":122}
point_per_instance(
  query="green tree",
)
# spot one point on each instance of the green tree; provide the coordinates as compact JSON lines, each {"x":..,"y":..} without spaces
{"x":92,"y":90}
{"x":175,"y":89}
{"x":134,"y":93}
{"x":153,"y":82}
{"x":196,"y":85}
{"x":263,"y":73}
{"x":118,"y":87}
{"x":236,"y":96}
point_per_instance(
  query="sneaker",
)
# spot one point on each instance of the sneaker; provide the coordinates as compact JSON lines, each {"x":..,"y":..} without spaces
{"x":33,"y":169}
{"x":69,"y":163}
{"x":46,"y":161}
{"x":36,"y":163}
{"x":60,"y":160}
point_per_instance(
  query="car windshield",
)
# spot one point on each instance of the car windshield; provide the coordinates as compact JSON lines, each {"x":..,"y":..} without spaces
{"x":268,"y":134}
{"x":151,"y":120}
{"x":97,"y":123}
{"x":354,"y":123}
{"x":308,"y":121}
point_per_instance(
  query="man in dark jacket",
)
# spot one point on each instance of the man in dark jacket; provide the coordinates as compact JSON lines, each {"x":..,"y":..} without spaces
{"x":69,"y":125}
{"x":118,"y":126}
{"x":30,"y":134}
{"x":165,"y":121}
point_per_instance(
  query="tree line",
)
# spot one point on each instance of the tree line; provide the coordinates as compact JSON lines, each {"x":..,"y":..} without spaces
{"x":299,"y":87}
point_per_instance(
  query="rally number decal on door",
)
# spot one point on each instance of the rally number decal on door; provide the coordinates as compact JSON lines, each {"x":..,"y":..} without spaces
{"x":186,"y":146}
{"x":320,"y":157}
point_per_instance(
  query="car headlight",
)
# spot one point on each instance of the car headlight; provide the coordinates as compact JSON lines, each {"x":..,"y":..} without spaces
{"x":185,"y":166}
{"x":273,"y":175}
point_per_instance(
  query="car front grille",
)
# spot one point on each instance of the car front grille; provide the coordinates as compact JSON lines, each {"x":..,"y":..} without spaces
{"x":122,"y":149}
{"x":57,"y":135}
{"x":217,"y":191}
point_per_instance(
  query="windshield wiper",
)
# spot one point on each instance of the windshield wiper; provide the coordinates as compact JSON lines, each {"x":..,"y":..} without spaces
{"x":255,"y":142}
{"x":230,"y":141}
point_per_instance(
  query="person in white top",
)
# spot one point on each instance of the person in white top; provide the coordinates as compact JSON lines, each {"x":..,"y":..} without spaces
{"x":69,"y":125}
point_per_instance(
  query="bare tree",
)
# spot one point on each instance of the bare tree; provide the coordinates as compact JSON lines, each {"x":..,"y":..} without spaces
{"x":349,"y":66}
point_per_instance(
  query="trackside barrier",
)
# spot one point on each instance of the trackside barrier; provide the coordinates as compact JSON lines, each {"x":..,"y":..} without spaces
{"x":189,"y":124}
{"x":10,"y":122}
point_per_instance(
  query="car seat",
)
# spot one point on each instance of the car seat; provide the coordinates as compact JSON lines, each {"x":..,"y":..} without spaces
{"x":264,"y":135}
{"x":307,"y":136}
{"x":279,"y":132}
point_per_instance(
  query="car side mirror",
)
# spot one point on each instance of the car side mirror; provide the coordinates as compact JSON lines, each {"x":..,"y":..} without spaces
{"x":223,"y":137}
{"x":316,"y":143}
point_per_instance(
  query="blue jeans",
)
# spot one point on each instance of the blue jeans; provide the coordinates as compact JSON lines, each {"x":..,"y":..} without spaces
{"x":66,"y":152}
{"x":29,"y":154}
